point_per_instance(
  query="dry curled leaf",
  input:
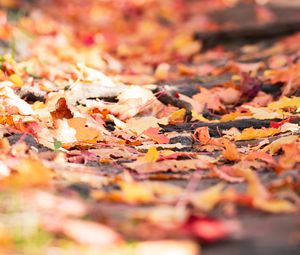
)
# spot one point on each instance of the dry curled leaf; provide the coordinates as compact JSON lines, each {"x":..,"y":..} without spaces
{"x":230,"y":151}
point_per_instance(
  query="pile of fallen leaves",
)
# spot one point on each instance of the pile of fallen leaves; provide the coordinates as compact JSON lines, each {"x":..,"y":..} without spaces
{"x":120,"y":136}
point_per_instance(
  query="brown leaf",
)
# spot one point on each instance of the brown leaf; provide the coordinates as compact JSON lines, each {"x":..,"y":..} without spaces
{"x":62,"y":110}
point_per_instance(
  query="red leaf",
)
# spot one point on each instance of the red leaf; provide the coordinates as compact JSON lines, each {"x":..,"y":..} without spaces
{"x":209,"y":229}
{"x":274,"y":124}
{"x":250,"y":86}
{"x":152,"y":133}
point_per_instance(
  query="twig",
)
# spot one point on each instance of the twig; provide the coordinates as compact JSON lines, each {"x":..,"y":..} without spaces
{"x":216,"y":127}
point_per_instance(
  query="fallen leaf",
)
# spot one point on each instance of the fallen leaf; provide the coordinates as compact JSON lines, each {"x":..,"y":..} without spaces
{"x":153,"y":133}
{"x":164,"y":247}
{"x":140,"y":125}
{"x":259,"y":155}
{"x":251,"y":133}
{"x":90,"y":233}
{"x":261,"y":198}
{"x":177,"y":117}
{"x":62,"y":110}
{"x":250,"y":86}
{"x":230,"y":151}
{"x":290,"y":157}
{"x":202,"y":135}
{"x":276,"y":145}
{"x":285,"y":102}
{"x":130,"y":192}
{"x":210,"y":229}
{"x":173,"y":165}
{"x":29,"y":173}
{"x":152,"y":155}
{"x":16,"y":80}
{"x":207,"y":199}
{"x":83,"y":132}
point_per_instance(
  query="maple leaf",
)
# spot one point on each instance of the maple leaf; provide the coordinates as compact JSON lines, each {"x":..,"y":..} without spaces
{"x":276,"y":145}
{"x":210,"y":229}
{"x":211,"y":100}
{"x":152,"y":155}
{"x":140,"y":125}
{"x":164,"y":247}
{"x":153,"y":134}
{"x":87,"y":232}
{"x":285,"y":102}
{"x":291,"y":156}
{"x":230,"y":151}
{"x":9,"y":99}
{"x":83,"y":132}
{"x":250,"y":86}
{"x":202,"y":135}
{"x":62,"y":110}
{"x":252,"y":133}
{"x":30,"y":173}
{"x":130,"y":192}
{"x":289,"y":76}
{"x":203,"y":162}
{"x":207,"y":199}
{"x":254,"y":155}
{"x":177,"y":117}
{"x":261,"y":198}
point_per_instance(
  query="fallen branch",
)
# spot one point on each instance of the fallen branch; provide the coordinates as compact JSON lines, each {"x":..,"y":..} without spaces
{"x":168,"y":98}
{"x":215,"y":128}
{"x":247,"y":33}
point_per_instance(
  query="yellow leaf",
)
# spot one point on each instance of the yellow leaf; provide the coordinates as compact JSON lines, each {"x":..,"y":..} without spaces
{"x":209,"y":198}
{"x":285,"y":102}
{"x":16,"y":80}
{"x":152,"y":155}
{"x":276,"y":145}
{"x":132,"y":192}
{"x":274,"y":205}
{"x":230,"y":116}
{"x":263,"y":113}
{"x":261,"y":197}
{"x":251,"y":133}
{"x":177,"y":116}
{"x":200,"y":117}
{"x":142,"y":124}
{"x":29,"y":173}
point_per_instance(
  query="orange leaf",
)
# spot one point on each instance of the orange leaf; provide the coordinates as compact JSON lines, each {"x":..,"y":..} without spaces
{"x":260,"y":155}
{"x":30,"y":173}
{"x":202,"y":135}
{"x":83,"y":133}
{"x":251,"y":133}
{"x":290,"y":157}
{"x":230,"y":151}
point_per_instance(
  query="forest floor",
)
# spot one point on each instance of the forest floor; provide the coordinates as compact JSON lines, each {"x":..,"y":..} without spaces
{"x":149,"y":127}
